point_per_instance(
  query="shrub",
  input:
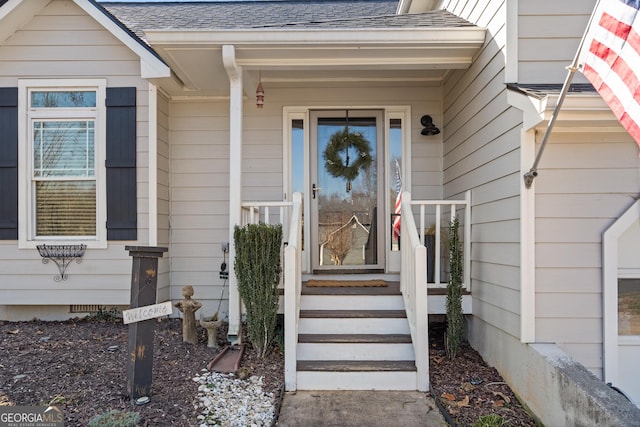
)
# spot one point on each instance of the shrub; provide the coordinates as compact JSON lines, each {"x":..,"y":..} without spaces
{"x":257,"y":267}
{"x":454,"y":335}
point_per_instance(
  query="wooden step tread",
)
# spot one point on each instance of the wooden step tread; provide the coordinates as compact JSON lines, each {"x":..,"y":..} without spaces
{"x":353,"y":314}
{"x":392,"y":288}
{"x":356,"y":365}
{"x":355,"y":338}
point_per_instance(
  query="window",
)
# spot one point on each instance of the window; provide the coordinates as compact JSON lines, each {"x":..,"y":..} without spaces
{"x":628,"y":306}
{"x":63,"y":148}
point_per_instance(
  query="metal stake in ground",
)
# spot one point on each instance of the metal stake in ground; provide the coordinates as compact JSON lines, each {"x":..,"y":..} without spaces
{"x":144,"y":279}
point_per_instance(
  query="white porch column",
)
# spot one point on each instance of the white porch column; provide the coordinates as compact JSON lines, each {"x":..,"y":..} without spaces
{"x":235,"y":181}
{"x":153,"y":165}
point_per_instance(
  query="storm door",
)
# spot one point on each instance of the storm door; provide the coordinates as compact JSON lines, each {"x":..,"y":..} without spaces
{"x":346,"y":205}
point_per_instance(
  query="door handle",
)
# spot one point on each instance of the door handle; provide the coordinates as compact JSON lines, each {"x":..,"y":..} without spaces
{"x":315,"y":189}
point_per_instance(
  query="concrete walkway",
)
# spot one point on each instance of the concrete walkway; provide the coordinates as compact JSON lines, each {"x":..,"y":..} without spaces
{"x":358,"y":409}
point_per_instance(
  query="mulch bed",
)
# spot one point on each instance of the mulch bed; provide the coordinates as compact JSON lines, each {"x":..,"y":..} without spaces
{"x":75,"y":365}
{"x":467,"y":388}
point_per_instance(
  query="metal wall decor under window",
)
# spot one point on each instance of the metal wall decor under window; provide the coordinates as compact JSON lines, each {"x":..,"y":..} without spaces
{"x":61,"y":255}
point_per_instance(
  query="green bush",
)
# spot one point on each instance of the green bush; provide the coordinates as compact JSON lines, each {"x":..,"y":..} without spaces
{"x":491,"y":420}
{"x":257,"y":267}
{"x":454,"y":335}
{"x":115,"y":418}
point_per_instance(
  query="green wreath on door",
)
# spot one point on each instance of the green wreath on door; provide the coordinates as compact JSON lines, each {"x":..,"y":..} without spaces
{"x":355,"y":146}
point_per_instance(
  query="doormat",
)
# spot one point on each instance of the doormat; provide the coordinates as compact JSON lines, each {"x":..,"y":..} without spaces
{"x":346,"y":283}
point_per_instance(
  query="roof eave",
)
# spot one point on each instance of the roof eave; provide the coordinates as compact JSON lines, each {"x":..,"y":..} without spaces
{"x":586,"y":111}
{"x":151,"y":65}
{"x":319,"y":36}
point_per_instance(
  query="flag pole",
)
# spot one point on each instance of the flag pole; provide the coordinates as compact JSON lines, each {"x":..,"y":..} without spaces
{"x":533,"y":172}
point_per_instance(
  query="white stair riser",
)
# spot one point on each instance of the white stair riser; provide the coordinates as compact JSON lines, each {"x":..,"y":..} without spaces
{"x":353,"y":326}
{"x":355,"y":351}
{"x":436,"y":304}
{"x":307,"y":380}
{"x":351,"y":302}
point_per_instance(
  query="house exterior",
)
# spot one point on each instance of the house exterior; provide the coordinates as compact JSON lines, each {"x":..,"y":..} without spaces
{"x":154,"y":108}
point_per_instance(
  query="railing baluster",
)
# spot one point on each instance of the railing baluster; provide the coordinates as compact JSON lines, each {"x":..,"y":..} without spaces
{"x":436,"y":276}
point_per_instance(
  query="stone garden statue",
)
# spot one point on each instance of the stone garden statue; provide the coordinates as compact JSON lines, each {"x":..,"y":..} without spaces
{"x":212,"y":326}
{"x":188,"y":307}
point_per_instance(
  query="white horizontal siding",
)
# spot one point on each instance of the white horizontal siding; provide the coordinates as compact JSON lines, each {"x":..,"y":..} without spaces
{"x":163,"y":193}
{"x":199,"y":133}
{"x":585,"y":182}
{"x":482,"y":153}
{"x":63,"y":42}
{"x":549,"y":33}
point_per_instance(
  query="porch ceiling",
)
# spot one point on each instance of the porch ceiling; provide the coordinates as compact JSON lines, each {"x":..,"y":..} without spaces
{"x":320,"y":56}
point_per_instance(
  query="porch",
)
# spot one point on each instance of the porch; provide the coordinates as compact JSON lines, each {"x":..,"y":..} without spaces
{"x":372,"y":337}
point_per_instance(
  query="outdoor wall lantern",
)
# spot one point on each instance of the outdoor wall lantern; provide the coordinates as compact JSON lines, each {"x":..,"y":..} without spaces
{"x":429,"y":127}
{"x":61,"y":255}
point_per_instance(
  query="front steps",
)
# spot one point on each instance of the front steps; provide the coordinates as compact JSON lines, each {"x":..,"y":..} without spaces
{"x":354,"y":338}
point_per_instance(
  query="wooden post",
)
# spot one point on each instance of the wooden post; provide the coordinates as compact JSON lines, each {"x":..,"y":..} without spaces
{"x":144,"y":279}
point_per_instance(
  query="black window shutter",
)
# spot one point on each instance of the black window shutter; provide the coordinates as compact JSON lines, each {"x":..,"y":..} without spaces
{"x":121,"y":164}
{"x":9,"y":163}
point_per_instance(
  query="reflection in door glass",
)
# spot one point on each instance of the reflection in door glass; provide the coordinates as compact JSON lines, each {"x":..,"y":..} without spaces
{"x":347,"y":196}
{"x":628,"y":306}
{"x":297,"y":163}
{"x":395,"y":172}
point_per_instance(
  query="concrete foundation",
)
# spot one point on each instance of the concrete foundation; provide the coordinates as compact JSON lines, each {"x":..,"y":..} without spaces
{"x":556,"y":388}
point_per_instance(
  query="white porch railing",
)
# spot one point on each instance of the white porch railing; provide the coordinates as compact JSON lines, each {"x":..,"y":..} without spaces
{"x":293,"y":288}
{"x":453,"y":207}
{"x":413,"y":285}
{"x":255,"y":212}
{"x":413,"y":272}
{"x":289,"y":214}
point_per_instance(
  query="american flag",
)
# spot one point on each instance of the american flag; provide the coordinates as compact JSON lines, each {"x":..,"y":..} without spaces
{"x":398,"y":208}
{"x":611,"y":58}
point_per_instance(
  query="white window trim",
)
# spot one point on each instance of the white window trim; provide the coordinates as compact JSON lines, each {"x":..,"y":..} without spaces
{"x":26,"y":239}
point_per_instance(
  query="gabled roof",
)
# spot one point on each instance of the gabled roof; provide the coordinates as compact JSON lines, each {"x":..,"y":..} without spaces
{"x":246,"y":14}
{"x":294,"y":40}
{"x":279,"y":41}
{"x":270,"y":14}
{"x":15,"y":13}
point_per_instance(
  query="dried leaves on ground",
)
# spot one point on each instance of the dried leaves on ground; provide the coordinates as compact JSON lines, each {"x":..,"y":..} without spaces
{"x":81,"y":366}
{"x":467,"y":388}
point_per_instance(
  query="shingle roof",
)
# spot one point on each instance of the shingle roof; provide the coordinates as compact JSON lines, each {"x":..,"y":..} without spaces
{"x":541,"y":90}
{"x":434,"y":19}
{"x":300,"y":14}
{"x":246,"y":14}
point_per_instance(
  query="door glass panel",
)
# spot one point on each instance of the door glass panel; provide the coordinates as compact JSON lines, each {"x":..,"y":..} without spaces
{"x":629,"y":307}
{"x":297,"y":163}
{"x":395,"y":172}
{"x":347,"y":195}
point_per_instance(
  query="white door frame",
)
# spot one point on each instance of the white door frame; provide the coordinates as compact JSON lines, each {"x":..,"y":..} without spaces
{"x":402,"y":112}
